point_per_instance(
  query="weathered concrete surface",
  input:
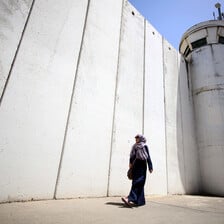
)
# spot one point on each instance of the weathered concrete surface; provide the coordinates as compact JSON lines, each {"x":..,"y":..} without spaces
{"x":129,"y":97}
{"x":84,"y":78}
{"x":91,"y":116}
{"x":13,"y":17}
{"x":206,"y":72}
{"x":190,"y":176}
{"x":154,"y":110}
{"x":168,"y":209}
{"x":40,"y":84}
{"x":174,"y":147}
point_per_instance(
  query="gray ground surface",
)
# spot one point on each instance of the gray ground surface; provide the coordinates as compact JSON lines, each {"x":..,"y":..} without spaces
{"x":159,"y":209}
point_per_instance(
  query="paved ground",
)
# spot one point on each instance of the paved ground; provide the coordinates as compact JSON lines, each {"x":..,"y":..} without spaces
{"x":167,"y":209}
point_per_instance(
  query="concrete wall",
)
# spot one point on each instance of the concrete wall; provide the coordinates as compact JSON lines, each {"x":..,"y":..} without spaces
{"x":85,"y":164}
{"x":154,"y":109}
{"x":13,"y":18}
{"x":35,"y":105}
{"x":87,"y":77}
{"x":182,"y":156}
{"x":187,"y":138}
{"x":128,"y":99}
{"x":175,"y":155}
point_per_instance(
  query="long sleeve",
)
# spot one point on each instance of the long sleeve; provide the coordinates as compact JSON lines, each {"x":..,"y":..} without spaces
{"x":149,"y":161}
{"x":132,"y":155}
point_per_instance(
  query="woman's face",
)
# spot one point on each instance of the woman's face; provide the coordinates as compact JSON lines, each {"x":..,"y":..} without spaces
{"x":137,"y":140}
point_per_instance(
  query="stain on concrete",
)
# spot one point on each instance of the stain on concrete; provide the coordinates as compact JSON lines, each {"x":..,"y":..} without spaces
{"x":208,"y":88}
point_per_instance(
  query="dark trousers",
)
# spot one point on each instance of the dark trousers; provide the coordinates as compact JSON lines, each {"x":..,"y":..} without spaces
{"x":136,"y":194}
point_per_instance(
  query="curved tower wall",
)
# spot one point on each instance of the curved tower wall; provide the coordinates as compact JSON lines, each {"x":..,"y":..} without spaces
{"x":203,"y":48}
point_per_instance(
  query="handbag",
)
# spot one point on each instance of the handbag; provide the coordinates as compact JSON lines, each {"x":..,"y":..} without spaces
{"x":130,"y":171}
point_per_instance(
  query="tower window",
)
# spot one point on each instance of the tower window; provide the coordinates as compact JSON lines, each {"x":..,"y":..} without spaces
{"x":221,"y":40}
{"x":199,"y":43}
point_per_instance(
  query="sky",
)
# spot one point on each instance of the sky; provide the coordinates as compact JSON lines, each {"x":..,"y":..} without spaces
{"x":171,"y":18}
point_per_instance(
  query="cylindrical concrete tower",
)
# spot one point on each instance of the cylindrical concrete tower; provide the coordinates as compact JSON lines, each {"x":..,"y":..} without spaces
{"x":202,"y":46}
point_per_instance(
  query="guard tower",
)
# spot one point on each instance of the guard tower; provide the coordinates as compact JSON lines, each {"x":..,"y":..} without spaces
{"x":202,"y":47}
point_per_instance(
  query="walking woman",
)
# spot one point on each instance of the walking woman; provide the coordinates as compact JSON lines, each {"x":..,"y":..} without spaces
{"x":139,"y":158}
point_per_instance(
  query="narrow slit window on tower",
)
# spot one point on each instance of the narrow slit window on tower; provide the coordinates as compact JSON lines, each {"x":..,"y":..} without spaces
{"x":221,"y":40}
{"x":187,"y":51}
{"x":199,"y":43}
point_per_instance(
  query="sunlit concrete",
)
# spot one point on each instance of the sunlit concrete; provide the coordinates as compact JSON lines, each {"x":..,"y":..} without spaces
{"x":176,"y":209}
{"x":79,"y":79}
{"x":204,"y":59}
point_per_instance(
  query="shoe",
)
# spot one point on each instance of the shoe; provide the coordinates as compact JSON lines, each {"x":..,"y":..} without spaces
{"x":133,"y":204}
{"x":125,"y":200}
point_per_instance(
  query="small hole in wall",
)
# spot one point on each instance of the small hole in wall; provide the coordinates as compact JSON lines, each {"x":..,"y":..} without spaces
{"x":133,"y":13}
{"x":169,"y":48}
{"x":153,"y":33}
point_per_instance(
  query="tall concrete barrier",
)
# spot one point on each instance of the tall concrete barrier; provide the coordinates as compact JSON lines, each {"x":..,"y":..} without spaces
{"x":85,"y":164}
{"x":175,"y":156}
{"x":154,"y":110}
{"x":78,"y":81}
{"x":188,"y":142}
{"x":36,"y":102}
{"x":128,"y":116}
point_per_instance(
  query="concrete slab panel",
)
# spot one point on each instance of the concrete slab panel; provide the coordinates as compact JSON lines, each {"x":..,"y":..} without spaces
{"x":154,"y":115}
{"x":174,"y":141}
{"x":128,"y":116}
{"x":86,"y":158}
{"x":34,"y":110}
{"x":13,"y":16}
{"x":189,"y":144}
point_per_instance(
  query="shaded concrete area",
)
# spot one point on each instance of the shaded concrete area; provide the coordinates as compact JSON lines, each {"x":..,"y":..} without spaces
{"x":167,"y":209}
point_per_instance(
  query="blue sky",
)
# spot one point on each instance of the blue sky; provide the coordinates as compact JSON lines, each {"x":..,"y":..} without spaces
{"x":172,"y":18}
